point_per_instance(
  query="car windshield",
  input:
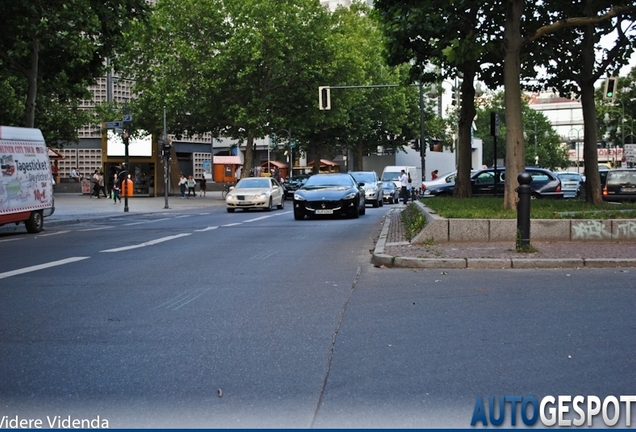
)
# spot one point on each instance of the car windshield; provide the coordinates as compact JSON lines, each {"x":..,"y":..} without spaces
{"x":322,"y":181}
{"x":570,"y":177}
{"x":391,"y":176}
{"x":364,"y":177}
{"x":621,"y":177}
{"x":253,"y":183}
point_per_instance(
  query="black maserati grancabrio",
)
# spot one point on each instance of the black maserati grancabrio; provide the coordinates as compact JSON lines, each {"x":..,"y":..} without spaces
{"x":329,"y":194}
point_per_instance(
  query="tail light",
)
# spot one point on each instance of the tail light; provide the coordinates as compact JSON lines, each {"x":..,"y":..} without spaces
{"x":605,"y":191}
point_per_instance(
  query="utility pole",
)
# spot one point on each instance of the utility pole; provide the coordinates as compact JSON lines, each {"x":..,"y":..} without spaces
{"x":165,"y":149}
{"x":126,"y":139}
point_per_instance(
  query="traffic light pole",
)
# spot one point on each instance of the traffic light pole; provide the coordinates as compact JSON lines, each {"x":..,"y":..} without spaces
{"x":166,"y":160}
{"x":126,"y":139}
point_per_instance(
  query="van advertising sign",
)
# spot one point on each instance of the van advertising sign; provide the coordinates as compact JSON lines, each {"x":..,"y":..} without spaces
{"x":25,"y":178}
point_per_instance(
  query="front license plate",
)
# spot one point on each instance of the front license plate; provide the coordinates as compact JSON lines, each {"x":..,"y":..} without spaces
{"x":243,"y":203}
{"x":324,"y":211}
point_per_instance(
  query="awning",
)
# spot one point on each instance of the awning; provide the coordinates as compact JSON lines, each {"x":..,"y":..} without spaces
{"x":275,"y":164}
{"x":227,"y":160}
{"x":55,"y":155}
{"x":324,"y":162}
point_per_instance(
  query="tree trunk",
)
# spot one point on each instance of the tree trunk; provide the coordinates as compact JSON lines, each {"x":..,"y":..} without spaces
{"x":32,"y":83}
{"x":590,"y":154}
{"x":359,"y":156}
{"x":249,"y":156}
{"x":463,"y":188}
{"x":515,"y":155}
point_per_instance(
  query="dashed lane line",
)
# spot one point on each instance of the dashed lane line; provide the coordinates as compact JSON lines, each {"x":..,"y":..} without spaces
{"x":148,"y":243}
{"x":40,"y":267}
{"x":146,"y":222}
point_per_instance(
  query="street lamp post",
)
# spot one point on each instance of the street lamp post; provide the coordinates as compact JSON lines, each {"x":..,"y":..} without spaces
{"x":291,"y":150}
{"x":576,"y":140}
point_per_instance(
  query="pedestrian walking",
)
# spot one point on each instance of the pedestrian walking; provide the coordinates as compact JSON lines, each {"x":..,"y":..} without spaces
{"x":182,"y":185}
{"x":116,"y":190}
{"x":95,"y":181}
{"x":191,"y":185}
{"x":102,"y":184}
{"x":404,"y":183}
{"x":202,"y":186}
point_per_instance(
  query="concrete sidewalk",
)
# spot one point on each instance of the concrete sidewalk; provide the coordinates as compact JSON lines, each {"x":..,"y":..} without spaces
{"x":71,"y":208}
{"x":394,"y":250}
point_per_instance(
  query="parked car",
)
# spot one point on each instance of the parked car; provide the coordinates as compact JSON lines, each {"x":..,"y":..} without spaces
{"x":572,"y":183}
{"x":443,"y":179}
{"x":255,"y":192}
{"x":292,"y":183}
{"x":545,"y":184}
{"x":372,"y":186}
{"x":620,"y":185}
{"x":329,"y":194}
{"x":390,"y":192}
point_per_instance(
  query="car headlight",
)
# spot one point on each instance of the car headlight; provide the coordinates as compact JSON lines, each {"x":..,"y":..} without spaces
{"x":349,"y":196}
{"x":229,"y":196}
{"x":427,"y":192}
{"x":372,"y":189}
{"x":263,"y":195}
{"x":299,"y":197}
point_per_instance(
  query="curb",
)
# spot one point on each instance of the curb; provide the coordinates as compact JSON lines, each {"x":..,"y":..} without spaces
{"x":380,"y":259}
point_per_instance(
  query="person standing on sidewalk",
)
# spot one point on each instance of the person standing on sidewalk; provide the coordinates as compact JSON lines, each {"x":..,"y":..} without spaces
{"x":116,"y":189}
{"x":182,"y":185}
{"x":404,"y":183}
{"x":191,"y":185}
{"x":202,"y":186}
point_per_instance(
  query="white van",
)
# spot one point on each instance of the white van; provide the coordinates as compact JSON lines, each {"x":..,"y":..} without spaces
{"x":393,"y":172}
{"x":26,"y":183}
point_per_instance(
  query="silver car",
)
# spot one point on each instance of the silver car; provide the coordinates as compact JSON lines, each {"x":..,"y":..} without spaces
{"x":372,"y":187}
{"x":571,"y":183}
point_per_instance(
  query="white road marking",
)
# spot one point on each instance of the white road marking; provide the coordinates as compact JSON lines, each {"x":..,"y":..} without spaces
{"x":148,"y":243}
{"x":207,"y":229}
{"x":97,"y":229}
{"x":258,"y":218}
{"x":53,"y":233}
{"x":12,"y":239}
{"x":232,"y":224}
{"x":145,"y":222}
{"x":182,"y":216}
{"x":41,"y":266}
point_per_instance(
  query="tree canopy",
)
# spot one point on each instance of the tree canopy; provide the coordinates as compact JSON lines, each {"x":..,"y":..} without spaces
{"x":53,"y":53}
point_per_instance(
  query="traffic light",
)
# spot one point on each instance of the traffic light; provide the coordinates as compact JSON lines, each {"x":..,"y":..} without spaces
{"x":324,"y":98}
{"x":611,"y":83}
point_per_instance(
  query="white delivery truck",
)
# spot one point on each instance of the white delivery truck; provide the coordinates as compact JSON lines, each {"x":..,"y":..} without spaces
{"x":26,"y":183}
{"x":393,"y":172}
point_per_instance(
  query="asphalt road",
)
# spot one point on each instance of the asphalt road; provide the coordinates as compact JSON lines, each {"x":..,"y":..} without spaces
{"x":200,"y":318}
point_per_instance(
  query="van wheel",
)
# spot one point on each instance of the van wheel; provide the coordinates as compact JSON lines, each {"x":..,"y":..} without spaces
{"x":35,"y":223}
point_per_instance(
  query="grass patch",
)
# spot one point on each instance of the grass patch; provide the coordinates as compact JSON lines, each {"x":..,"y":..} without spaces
{"x":413,"y":220}
{"x":492,"y":208}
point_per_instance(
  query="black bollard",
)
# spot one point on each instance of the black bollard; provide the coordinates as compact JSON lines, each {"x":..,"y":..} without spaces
{"x":523,"y":210}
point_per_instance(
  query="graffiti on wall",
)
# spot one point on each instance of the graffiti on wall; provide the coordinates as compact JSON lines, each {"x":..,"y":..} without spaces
{"x":597,"y":230}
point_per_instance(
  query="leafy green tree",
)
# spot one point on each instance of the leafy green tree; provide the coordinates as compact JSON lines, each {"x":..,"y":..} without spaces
{"x":457,"y":37}
{"x":541,"y":138}
{"x":51,"y":51}
{"x":574,"y":63}
{"x":237,"y":68}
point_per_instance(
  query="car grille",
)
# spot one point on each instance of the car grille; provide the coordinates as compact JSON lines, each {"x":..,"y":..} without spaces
{"x":318,"y":205}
